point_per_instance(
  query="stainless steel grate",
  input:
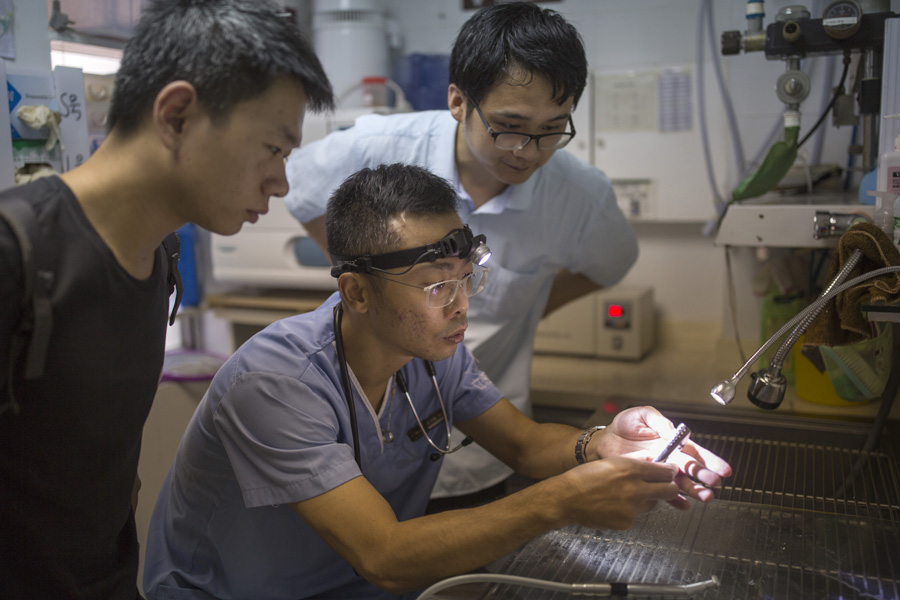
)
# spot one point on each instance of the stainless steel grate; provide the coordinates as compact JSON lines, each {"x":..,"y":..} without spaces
{"x":805,"y":476}
{"x":797,"y":521}
{"x":756,"y":551}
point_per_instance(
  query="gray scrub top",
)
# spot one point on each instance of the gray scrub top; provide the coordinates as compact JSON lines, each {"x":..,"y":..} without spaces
{"x":272,"y":430}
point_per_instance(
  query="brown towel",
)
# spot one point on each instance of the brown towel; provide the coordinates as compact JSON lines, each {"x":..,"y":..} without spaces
{"x":842,"y":322}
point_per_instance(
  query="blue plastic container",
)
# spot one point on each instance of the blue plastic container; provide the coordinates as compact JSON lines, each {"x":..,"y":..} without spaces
{"x":424,"y":79}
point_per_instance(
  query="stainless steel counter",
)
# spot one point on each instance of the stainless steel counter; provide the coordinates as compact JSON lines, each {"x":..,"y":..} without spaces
{"x":688,"y":360}
{"x":755,"y":551}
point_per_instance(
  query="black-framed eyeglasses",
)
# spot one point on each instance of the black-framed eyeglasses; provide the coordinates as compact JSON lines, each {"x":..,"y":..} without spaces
{"x":443,"y":293}
{"x":507,"y":140}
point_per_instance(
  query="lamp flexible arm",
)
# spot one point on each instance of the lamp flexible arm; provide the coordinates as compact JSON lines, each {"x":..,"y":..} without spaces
{"x":800,"y":329}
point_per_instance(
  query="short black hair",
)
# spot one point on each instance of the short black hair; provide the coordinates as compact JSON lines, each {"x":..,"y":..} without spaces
{"x":500,"y":38}
{"x":229,"y":50}
{"x":358,"y":218}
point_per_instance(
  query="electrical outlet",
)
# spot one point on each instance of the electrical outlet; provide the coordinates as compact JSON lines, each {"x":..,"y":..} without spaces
{"x":635,"y":198}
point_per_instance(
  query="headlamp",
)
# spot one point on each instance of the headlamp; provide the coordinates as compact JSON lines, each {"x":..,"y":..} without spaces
{"x":458,"y":243}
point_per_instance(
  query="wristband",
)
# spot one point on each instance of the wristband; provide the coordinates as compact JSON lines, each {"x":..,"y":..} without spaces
{"x":582,"y":442}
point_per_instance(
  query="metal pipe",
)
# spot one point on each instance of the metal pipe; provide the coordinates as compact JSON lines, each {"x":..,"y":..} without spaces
{"x":633,"y":590}
{"x":870,"y":100}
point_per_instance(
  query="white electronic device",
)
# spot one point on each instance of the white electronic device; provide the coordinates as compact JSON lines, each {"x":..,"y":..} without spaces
{"x":273,"y":252}
{"x":616,"y":323}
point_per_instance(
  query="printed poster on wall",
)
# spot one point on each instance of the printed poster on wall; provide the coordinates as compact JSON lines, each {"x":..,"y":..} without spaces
{"x":7,"y":38}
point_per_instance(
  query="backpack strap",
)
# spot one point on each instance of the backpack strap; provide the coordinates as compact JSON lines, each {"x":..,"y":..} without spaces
{"x":172,"y":246}
{"x":36,"y":321}
{"x":36,"y":314}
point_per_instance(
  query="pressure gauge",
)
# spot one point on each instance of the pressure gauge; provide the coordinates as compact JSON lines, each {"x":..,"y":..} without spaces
{"x":842,"y":18}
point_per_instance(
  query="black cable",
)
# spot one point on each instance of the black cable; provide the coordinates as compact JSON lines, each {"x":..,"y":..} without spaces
{"x":888,"y":396}
{"x":345,"y":380}
{"x":732,"y":303}
{"x":837,"y":93}
{"x":823,"y":256}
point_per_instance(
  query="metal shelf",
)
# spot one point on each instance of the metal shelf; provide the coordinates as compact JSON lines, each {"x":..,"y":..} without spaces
{"x":784,"y":222}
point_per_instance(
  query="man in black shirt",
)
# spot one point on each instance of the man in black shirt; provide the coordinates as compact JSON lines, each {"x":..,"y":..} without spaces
{"x":208,"y":102}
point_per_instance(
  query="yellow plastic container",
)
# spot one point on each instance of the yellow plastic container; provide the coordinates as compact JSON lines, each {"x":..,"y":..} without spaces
{"x":813,"y":386}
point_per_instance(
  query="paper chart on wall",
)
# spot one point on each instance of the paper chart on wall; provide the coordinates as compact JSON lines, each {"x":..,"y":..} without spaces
{"x":7,"y":37}
{"x":647,"y":134}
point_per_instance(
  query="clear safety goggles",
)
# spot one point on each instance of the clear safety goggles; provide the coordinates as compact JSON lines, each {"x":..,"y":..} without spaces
{"x":443,"y":293}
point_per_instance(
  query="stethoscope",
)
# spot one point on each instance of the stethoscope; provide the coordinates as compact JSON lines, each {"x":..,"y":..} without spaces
{"x":401,"y":383}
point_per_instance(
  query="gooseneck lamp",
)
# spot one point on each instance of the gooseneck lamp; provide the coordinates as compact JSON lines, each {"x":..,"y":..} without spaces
{"x":768,"y":385}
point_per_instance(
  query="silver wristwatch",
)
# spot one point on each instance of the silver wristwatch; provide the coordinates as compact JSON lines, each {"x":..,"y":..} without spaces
{"x":582,"y":442}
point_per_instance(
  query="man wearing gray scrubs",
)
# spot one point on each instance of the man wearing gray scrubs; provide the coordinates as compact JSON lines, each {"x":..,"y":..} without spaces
{"x":307,"y":467}
{"x":516,"y":73}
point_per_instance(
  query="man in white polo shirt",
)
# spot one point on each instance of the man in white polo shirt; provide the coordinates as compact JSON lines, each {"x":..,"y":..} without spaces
{"x":516,"y":73}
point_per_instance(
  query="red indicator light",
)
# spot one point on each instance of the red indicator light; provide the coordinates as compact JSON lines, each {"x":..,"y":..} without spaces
{"x":614,"y":311}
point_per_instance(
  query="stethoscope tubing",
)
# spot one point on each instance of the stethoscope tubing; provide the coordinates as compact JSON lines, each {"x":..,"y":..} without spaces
{"x":401,"y":383}
{"x":345,"y":381}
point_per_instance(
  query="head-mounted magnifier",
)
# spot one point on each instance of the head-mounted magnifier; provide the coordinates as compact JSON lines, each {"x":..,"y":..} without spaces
{"x":458,"y":243}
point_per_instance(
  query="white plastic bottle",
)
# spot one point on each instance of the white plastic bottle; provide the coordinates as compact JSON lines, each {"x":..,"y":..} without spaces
{"x":897,"y":221}
{"x":884,"y":212}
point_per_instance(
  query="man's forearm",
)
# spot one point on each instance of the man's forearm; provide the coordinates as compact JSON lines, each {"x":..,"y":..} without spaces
{"x":567,"y":287}
{"x":433,"y":547}
{"x":402,"y":556}
{"x":535,"y":450}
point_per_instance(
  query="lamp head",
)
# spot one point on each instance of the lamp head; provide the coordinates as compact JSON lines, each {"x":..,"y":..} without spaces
{"x":766,"y":389}
{"x":723,"y":392}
